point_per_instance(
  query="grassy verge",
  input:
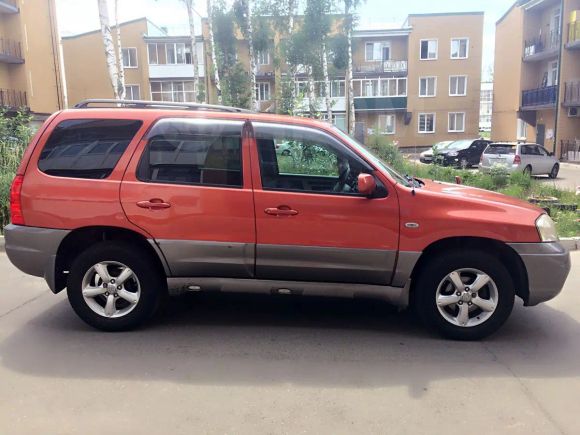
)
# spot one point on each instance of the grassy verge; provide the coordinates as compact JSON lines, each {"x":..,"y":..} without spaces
{"x":517,"y":185}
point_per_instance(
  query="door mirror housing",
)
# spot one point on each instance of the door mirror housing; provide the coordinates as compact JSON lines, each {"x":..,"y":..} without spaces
{"x":366,"y":184}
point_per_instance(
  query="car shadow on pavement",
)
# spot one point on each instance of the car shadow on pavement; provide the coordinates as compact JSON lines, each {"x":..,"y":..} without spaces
{"x":227,"y":339}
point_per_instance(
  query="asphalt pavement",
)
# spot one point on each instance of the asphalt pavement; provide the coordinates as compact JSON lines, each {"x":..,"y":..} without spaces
{"x":241,"y":364}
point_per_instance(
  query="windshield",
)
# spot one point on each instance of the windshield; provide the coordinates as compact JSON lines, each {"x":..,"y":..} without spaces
{"x":443,"y":145}
{"x":374,"y":159}
{"x":459,"y":144}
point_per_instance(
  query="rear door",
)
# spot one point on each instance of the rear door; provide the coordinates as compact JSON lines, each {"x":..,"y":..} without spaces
{"x":476,"y":150}
{"x":189,"y":186}
{"x":312,"y":225}
{"x":545,"y":163}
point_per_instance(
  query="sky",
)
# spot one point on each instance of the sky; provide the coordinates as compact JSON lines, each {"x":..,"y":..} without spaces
{"x":77,"y":16}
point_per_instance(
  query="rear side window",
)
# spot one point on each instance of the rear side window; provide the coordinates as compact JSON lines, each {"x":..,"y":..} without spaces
{"x":86,"y":148}
{"x":500,"y":149}
{"x":193,"y":151}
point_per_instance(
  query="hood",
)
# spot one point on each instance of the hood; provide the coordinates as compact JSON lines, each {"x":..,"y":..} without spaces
{"x":429,"y":152}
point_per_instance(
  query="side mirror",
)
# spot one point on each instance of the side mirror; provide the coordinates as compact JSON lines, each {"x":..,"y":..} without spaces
{"x":366,"y":184}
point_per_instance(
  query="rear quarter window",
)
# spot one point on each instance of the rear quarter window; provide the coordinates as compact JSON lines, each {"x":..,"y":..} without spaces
{"x":86,"y":148}
{"x":500,"y":149}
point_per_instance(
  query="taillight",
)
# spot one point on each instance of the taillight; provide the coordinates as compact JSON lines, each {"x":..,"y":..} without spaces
{"x":16,"y":216}
{"x":517,"y":160}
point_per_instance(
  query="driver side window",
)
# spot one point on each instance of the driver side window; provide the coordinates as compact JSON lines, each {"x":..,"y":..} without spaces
{"x":302,"y":159}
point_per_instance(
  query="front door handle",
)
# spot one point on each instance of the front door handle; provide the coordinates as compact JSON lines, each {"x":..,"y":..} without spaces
{"x":154,"y":204}
{"x":282,"y":210}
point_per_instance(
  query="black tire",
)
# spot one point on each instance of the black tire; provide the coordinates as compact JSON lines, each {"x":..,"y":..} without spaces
{"x":528,"y":170}
{"x":554,"y":172}
{"x":153,"y":285}
{"x":435,"y":271}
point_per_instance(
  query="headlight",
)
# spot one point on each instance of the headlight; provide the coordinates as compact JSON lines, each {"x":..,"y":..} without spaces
{"x":546,"y":229}
{"x":452,"y":154}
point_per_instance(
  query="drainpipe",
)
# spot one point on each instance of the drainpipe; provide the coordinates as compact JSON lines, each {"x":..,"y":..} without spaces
{"x":559,"y":80}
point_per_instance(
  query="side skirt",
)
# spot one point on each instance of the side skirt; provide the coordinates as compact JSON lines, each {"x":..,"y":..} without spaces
{"x":398,"y":296}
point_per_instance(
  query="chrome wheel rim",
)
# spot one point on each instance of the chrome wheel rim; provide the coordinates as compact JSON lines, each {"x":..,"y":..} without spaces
{"x":111,"y":289}
{"x":466,"y":297}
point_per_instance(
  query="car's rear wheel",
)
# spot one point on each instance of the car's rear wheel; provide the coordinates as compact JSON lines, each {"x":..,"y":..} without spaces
{"x":113,"y":288}
{"x":464,"y":295}
{"x":528,"y":170}
{"x":554,"y":172}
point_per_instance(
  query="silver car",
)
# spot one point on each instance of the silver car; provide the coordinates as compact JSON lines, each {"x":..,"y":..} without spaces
{"x":529,"y":158}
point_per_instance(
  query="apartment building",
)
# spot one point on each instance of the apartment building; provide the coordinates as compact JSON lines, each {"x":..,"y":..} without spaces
{"x":418,"y":83}
{"x":537,"y":80}
{"x":30,"y":64}
{"x":157,"y":66}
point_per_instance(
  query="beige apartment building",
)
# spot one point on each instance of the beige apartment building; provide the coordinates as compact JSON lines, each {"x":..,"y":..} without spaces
{"x":537,"y":75}
{"x":30,"y":64}
{"x":157,"y":66}
{"x":417,"y":84}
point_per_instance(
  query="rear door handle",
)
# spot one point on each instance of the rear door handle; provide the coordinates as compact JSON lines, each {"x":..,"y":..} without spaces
{"x":282,"y":210}
{"x":154,"y":204}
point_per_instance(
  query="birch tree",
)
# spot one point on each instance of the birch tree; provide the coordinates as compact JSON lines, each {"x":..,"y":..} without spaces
{"x":189,"y":6}
{"x":327,"y":99}
{"x":348,"y":6}
{"x":119,"y":53}
{"x":109,"y":47}
{"x":216,"y":75}
{"x":243,"y":13}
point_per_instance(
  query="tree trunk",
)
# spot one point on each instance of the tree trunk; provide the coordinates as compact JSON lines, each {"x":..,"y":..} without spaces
{"x":292,"y":68}
{"x":121,"y":68}
{"x":189,"y":7}
{"x":251,"y":54}
{"x":326,"y":83}
{"x":108,"y":45}
{"x":216,"y":75}
{"x":351,"y":119}
{"x":312,"y":103}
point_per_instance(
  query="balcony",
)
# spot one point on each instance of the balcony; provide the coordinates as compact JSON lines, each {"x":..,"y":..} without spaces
{"x":572,"y":94}
{"x":382,"y":67}
{"x":380,"y":93}
{"x":573,"y":35}
{"x":10,"y":51}
{"x":542,"y":98}
{"x":11,"y":99}
{"x":381,"y":103}
{"x":8,"y":7}
{"x":543,"y":47}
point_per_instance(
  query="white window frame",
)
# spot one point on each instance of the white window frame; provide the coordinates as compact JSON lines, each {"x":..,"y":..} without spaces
{"x":436,"y":48}
{"x":129,"y":57}
{"x":381,"y":44}
{"x":336,"y":85}
{"x":454,"y":114}
{"x":172,"y":92}
{"x":387,"y":115}
{"x":260,"y":57}
{"x":419,"y":122}
{"x":427,"y":87}
{"x":521,"y":129}
{"x":462,"y":38}
{"x":451,"y":94}
{"x":259,"y":92}
{"x":130,"y":85}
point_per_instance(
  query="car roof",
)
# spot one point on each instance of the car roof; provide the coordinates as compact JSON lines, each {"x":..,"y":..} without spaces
{"x":514,"y":143}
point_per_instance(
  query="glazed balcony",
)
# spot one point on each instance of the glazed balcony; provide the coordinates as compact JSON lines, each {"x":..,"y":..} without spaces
{"x":398,"y":67}
{"x":11,"y":99}
{"x":542,"y":47}
{"x":541,"y":98}
{"x":10,"y":51}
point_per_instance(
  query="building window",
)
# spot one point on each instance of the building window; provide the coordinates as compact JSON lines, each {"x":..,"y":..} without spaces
{"x":262,"y":91}
{"x":459,"y":48}
{"x":173,"y":53}
{"x":263,"y":57}
{"x":456,"y":122}
{"x":129,"y":57}
{"x":553,"y":74}
{"x":179,"y":91}
{"x":426,"y":123}
{"x":457,"y":86}
{"x":132,"y":92}
{"x":337,"y":89}
{"x":387,"y":124}
{"x":377,"y":51}
{"x":427,"y":86}
{"x":428,"y":49}
{"x":521,"y":129}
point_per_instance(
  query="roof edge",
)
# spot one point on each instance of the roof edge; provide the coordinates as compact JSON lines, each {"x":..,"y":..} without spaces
{"x":112,"y":27}
{"x":443,"y":14}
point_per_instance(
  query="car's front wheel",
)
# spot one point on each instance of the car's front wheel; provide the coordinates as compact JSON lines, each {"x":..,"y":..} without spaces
{"x":464,"y":295}
{"x":554,"y":172}
{"x":113,"y":288}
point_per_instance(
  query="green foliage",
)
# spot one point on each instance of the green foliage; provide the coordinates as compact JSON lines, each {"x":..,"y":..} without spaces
{"x":15,"y":133}
{"x":338,"y":48}
{"x":311,"y":159}
{"x":499,"y":176}
{"x":236,"y":88}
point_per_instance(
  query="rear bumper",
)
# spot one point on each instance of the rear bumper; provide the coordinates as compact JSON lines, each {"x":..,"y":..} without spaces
{"x":547,"y":266}
{"x":33,"y":250}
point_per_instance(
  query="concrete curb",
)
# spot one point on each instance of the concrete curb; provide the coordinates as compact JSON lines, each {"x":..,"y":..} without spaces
{"x":570,"y":243}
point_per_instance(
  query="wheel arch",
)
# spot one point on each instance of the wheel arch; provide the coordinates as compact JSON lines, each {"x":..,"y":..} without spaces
{"x":506,"y":254}
{"x":80,"y":239}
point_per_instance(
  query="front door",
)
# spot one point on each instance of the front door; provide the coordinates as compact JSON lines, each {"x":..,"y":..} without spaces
{"x":540,"y":134}
{"x":189,"y":186}
{"x":311,"y":223}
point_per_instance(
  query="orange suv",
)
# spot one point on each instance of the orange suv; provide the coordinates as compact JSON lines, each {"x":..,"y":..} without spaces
{"x":118,"y":204}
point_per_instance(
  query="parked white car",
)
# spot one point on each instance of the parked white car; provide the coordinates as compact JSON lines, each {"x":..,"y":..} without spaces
{"x":530,"y":158}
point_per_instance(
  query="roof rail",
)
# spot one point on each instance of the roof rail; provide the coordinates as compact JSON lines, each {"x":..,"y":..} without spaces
{"x":143,"y":104}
